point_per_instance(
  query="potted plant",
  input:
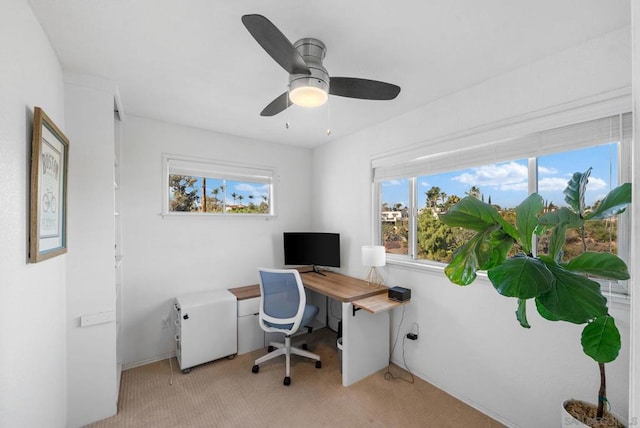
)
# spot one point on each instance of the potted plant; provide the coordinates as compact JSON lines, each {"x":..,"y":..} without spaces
{"x":562,"y":289}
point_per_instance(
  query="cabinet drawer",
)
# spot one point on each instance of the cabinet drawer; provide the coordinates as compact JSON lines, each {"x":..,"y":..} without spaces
{"x":248,"y":306}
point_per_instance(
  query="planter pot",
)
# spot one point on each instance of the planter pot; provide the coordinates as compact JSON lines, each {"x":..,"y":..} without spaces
{"x":568,"y":421}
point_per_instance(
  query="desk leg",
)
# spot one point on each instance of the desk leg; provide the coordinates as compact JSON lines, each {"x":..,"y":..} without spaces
{"x":365,"y":343}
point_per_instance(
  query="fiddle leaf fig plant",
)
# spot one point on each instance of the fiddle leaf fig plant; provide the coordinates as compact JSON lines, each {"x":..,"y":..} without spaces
{"x":562,"y":290}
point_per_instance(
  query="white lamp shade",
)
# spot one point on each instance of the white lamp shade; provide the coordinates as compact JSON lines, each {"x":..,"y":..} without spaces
{"x":308,"y":96}
{"x":373,"y":255}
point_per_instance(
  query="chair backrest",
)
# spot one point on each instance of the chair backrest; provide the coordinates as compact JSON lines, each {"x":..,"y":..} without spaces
{"x":282,"y":300}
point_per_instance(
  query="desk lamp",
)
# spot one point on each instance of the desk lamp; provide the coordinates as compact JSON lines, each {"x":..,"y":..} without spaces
{"x":373,"y":256}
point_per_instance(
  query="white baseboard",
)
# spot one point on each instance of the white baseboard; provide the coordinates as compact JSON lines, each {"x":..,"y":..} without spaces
{"x":134,"y":364}
{"x":462,"y":398}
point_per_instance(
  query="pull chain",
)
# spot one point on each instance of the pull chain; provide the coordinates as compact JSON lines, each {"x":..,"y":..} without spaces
{"x":328,"y":121}
{"x":286,"y":123}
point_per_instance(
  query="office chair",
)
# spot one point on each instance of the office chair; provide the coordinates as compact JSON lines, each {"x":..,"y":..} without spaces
{"x":284,"y":309}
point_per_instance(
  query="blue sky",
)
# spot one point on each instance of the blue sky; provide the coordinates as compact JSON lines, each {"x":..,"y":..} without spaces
{"x":506,"y":182}
{"x":243,"y":188}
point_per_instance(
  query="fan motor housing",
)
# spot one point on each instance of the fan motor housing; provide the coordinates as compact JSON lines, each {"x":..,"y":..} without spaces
{"x":313,"y":52}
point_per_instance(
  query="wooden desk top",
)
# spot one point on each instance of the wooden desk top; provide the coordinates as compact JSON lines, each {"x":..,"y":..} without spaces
{"x":372,"y":298}
{"x":377,"y":303}
{"x":340,"y":287}
{"x":246,"y":292}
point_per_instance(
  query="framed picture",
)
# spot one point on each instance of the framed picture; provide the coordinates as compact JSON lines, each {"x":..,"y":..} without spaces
{"x":48,"y":216}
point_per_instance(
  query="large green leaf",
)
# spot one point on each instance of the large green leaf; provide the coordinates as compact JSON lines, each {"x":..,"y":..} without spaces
{"x":521,"y":313}
{"x":484,"y":251}
{"x":561,"y":216}
{"x":545,"y":313}
{"x":573,"y":297}
{"x":558,"y":238}
{"x":521,"y":276}
{"x":500,"y":243}
{"x":527,"y":219}
{"x":601,"y":339}
{"x":471,"y":213}
{"x":614,"y":203}
{"x":463,"y":266}
{"x":574,"y":193}
{"x":602,"y":265}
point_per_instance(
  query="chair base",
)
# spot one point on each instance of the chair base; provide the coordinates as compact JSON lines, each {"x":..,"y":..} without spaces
{"x":287,"y":350}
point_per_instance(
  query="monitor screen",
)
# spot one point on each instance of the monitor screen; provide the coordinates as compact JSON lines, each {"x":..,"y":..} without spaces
{"x":312,"y":248}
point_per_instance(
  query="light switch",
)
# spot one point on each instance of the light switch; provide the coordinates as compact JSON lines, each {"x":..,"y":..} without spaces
{"x":99,"y":318}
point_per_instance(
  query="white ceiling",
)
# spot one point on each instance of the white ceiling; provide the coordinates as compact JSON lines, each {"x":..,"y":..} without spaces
{"x":192,"y":62}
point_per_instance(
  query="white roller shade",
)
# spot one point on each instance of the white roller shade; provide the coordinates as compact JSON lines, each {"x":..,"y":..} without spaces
{"x":470,"y":152}
{"x":177,"y":166}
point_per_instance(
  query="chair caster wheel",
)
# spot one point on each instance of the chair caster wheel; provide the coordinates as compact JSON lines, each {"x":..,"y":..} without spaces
{"x":304,"y":346}
{"x":318,"y":364}
{"x":287,"y":381}
{"x":255,"y":369}
{"x":270,"y":348}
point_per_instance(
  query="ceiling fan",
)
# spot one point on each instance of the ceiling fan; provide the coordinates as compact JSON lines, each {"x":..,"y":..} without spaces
{"x":309,"y":82}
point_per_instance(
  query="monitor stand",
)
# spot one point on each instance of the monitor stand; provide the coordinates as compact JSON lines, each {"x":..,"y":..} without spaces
{"x":314,"y":269}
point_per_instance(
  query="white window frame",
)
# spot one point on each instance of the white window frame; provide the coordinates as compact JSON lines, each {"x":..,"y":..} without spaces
{"x":472,"y":151}
{"x":173,"y":164}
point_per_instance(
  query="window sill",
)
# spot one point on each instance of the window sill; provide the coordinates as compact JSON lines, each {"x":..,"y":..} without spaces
{"x":216,"y":216}
{"x":618,"y":300}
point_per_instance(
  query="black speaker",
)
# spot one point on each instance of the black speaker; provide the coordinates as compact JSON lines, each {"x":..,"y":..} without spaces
{"x":399,"y":294}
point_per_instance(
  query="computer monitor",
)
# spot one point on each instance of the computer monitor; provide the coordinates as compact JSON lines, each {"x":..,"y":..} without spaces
{"x":312,"y":248}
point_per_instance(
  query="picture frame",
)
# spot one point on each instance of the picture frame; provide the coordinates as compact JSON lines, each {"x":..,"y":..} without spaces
{"x":48,"y":199}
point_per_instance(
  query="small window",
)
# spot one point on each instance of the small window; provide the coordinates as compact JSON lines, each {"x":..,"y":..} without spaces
{"x":394,"y":213}
{"x":197,"y":186}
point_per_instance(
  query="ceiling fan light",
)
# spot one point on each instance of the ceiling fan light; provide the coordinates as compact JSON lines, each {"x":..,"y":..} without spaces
{"x":308,"y":96}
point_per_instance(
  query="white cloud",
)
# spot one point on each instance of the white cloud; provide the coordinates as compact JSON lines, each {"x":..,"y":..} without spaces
{"x":393,"y":183}
{"x":546,"y":170}
{"x":506,"y":176}
{"x":596,"y":184}
{"x":254,"y":190}
{"x":552,"y":184}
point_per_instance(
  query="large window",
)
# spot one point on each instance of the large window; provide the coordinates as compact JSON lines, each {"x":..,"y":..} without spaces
{"x":195,"y":186}
{"x":412,"y":194}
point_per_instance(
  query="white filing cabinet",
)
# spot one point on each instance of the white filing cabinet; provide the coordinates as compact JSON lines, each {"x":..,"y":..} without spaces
{"x":250,"y":335}
{"x":205,"y":327}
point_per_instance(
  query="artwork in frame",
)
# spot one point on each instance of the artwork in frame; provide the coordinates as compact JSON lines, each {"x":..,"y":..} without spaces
{"x":48,"y":205}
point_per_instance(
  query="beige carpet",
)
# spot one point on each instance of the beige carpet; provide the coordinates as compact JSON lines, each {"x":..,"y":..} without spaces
{"x":225,"y":393}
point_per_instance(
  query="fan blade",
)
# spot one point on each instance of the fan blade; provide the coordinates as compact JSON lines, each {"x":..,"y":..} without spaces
{"x":275,"y":43}
{"x":362,"y":88}
{"x":276,"y":106}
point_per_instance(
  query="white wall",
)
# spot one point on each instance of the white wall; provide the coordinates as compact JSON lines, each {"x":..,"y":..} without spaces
{"x":33,"y":374}
{"x":470,"y":343}
{"x":164,"y":258}
{"x":634,"y":398}
{"x":91,"y":350}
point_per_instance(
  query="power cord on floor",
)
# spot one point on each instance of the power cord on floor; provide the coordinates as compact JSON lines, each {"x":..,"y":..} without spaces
{"x":388,"y":375}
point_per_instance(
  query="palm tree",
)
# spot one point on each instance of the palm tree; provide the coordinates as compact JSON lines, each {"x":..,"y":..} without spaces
{"x":451,"y":201}
{"x":474,"y":191}
{"x":215,"y":199}
{"x":432,"y":196}
{"x":443,"y":197}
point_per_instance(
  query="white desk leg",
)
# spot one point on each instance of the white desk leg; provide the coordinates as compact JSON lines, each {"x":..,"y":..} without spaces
{"x":365,"y":343}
